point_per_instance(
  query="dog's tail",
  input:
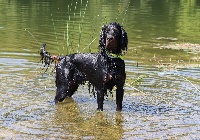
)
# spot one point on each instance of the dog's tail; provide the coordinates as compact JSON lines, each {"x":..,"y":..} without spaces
{"x":45,"y":56}
{"x":47,"y":59}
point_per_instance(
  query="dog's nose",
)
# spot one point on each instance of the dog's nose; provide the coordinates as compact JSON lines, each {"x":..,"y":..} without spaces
{"x":109,"y":37}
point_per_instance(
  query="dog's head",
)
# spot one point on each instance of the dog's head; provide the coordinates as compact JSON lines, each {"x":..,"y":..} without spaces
{"x":113,"y":38}
{"x":68,"y":78}
{"x":64,"y":79}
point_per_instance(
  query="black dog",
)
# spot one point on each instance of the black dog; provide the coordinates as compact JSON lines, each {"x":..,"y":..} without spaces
{"x":103,"y":70}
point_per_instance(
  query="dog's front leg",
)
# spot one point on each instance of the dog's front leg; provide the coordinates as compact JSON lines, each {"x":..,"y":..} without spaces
{"x":100,"y":99}
{"x":119,"y":98}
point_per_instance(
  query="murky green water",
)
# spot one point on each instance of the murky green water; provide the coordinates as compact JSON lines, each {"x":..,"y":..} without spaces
{"x":162,"y":96}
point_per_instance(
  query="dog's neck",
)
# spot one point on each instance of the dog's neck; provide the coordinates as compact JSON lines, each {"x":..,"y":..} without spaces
{"x":108,"y":54}
{"x":113,"y":55}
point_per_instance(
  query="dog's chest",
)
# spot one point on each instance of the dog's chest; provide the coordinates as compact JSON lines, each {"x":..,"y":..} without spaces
{"x":115,"y":65}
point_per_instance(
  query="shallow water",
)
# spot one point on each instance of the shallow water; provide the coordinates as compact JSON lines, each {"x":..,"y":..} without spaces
{"x":162,"y":97}
{"x":167,"y":106}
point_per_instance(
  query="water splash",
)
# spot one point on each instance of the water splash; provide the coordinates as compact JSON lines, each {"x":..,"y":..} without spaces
{"x":54,"y":27}
{"x":82,"y":16}
{"x":125,"y":12}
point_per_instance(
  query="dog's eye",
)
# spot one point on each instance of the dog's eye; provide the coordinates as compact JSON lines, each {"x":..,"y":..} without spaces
{"x":107,"y":30}
{"x":115,"y":30}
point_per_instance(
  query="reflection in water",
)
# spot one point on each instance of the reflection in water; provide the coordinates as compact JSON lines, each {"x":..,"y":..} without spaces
{"x":94,"y":126}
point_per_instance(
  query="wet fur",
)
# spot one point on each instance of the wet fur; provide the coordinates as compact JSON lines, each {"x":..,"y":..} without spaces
{"x":101,"y":70}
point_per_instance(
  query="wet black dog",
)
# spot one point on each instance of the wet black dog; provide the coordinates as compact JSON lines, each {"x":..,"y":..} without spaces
{"x":103,"y":70}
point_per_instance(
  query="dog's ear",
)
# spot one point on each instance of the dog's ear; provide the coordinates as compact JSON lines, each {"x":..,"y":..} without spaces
{"x":102,"y":39}
{"x":124,"y":39}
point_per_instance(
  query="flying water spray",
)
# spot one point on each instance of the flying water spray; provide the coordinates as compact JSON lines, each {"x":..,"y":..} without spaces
{"x":125,"y":12}
{"x":54,"y":28}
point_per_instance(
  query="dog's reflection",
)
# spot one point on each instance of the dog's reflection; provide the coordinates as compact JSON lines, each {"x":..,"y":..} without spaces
{"x":87,"y":124}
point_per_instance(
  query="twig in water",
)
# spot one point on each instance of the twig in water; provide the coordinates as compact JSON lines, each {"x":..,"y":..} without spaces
{"x":186,"y":80}
{"x":32,"y":36}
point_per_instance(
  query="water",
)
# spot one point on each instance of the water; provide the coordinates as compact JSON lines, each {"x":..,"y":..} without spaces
{"x":162,"y":87}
